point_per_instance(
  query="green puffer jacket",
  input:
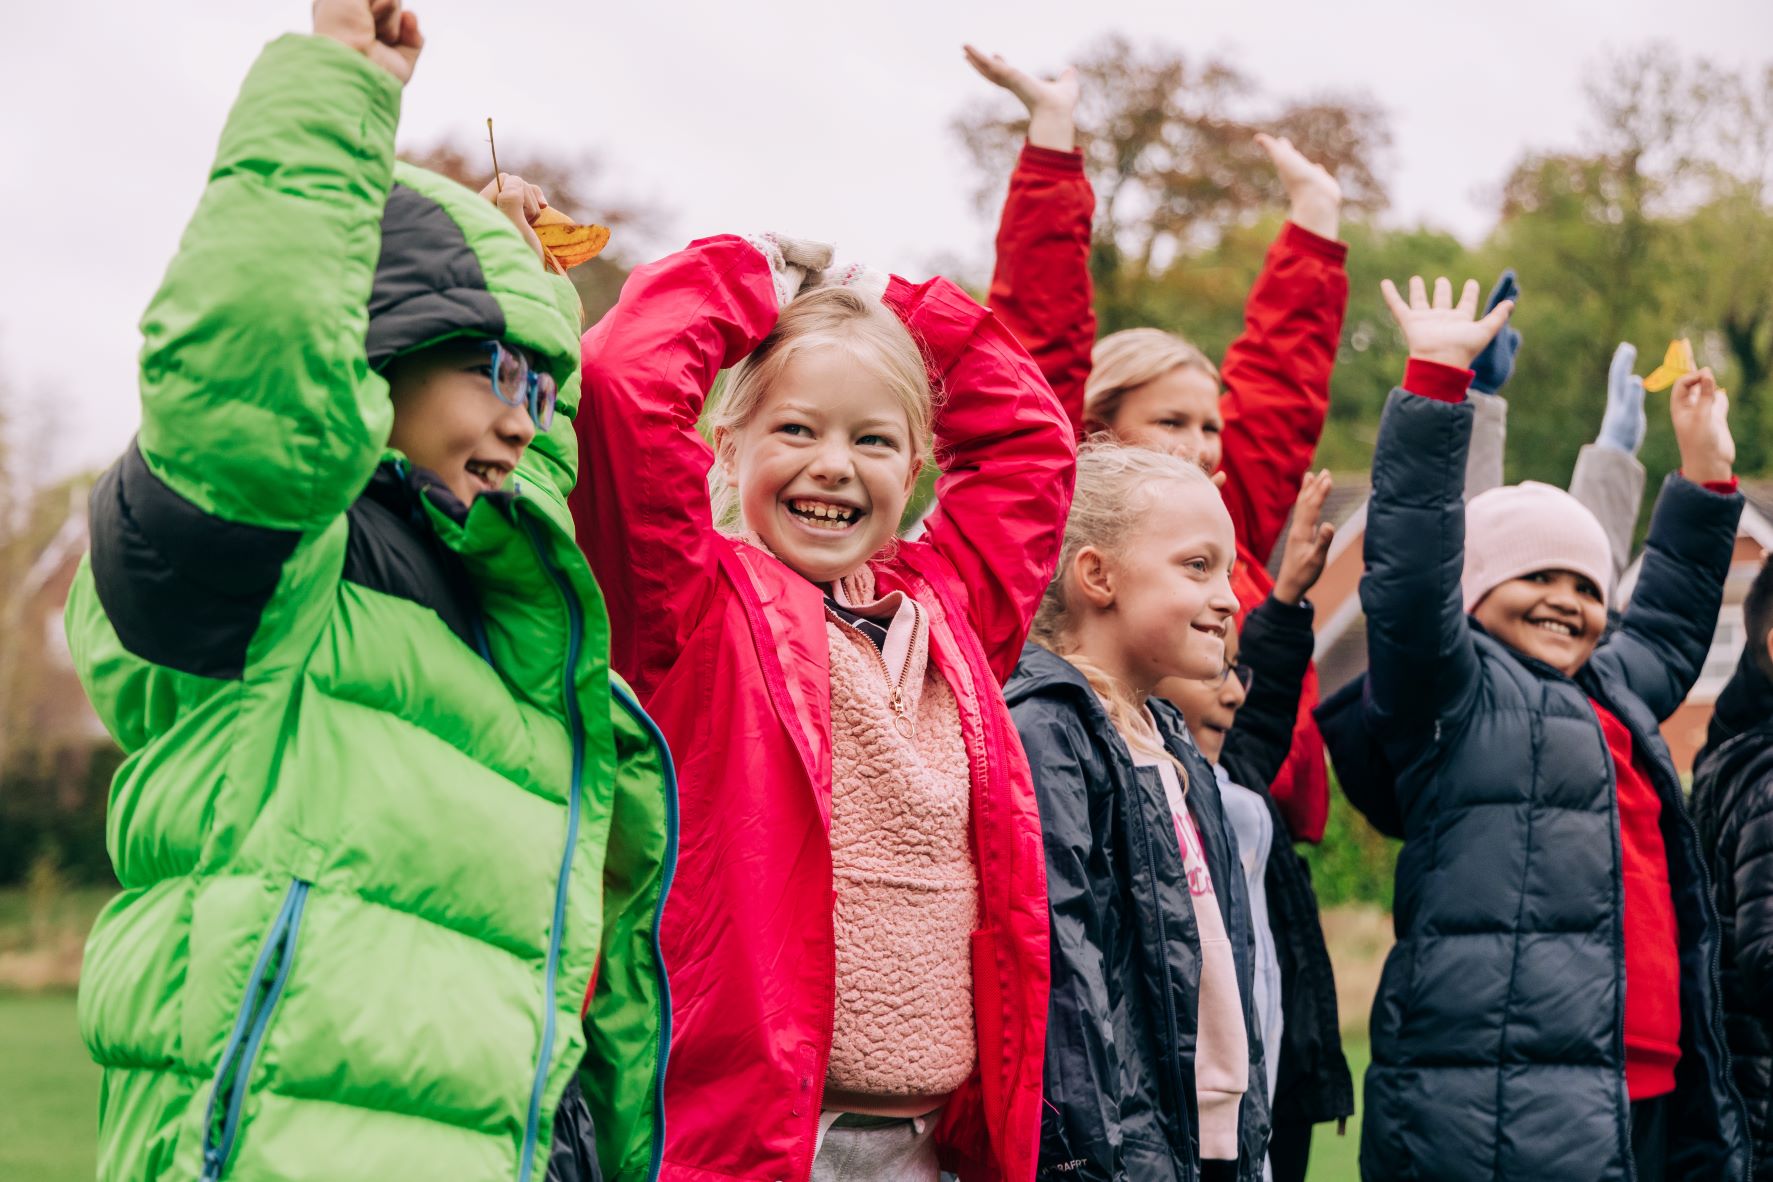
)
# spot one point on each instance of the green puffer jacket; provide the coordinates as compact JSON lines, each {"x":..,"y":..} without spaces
{"x":363,"y":902}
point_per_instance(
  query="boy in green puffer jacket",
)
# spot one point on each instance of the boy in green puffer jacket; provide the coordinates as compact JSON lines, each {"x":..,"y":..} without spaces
{"x":385,"y":816}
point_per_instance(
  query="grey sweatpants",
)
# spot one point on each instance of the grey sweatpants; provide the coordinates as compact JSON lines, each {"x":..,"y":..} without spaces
{"x":875,"y":1149}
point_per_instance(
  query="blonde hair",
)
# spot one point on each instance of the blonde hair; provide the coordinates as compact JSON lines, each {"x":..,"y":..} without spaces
{"x":826,"y":317}
{"x":1123,"y":361}
{"x":1115,"y":485}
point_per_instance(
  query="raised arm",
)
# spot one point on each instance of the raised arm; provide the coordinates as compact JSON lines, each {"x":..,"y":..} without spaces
{"x":1661,"y":645}
{"x":1420,"y":655}
{"x":1277,"y":373}
{"x":258,"y":406}
{"x":1608,"y":478}
{"x":1041,"y":288}
{"x":1276,"y":642}
{"x":1008,"y":458}
{"x":641,"y":508}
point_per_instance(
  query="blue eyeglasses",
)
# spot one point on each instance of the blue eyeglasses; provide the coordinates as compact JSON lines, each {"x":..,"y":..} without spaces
{"x":517,"y":384}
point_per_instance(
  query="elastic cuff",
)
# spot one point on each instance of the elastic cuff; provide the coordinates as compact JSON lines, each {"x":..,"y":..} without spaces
{"x":1291,"y":613}
{"x":1724,"y":488}
{"x":1035,"y":158}
{"x":1293,"y":236}
{"x":1431,"y":379}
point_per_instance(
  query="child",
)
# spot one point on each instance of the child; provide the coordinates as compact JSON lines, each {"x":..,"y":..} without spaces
{"x":1154,"y":389}
{"x":1241,"y":719}
{"x":1154,"y":1060}
{"x":1608,"y":480}
{"x":858,"y":940}
{"x":1550,"y":1007}
{"x":1733,"y":810}
{"x":367,"y":829}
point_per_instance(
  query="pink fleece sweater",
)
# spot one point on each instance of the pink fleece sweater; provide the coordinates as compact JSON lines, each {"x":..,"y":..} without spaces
{"x":906,"y":887}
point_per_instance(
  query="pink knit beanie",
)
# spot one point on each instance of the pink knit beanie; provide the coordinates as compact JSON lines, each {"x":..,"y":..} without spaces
{"x":1522,"y":528}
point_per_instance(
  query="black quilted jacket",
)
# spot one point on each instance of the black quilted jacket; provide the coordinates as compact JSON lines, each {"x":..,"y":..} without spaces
{"x":1498,"y":1029}
{"x":1733,"y":807}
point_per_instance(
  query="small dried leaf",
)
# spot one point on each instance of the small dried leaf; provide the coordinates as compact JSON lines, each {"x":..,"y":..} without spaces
{"x":568,"y":242}
{"x":1675,"y":365}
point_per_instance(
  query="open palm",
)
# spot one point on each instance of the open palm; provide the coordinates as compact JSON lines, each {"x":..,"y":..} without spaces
{"x":1442,"y":330}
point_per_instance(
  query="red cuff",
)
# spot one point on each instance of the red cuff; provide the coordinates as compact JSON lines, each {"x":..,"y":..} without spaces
{"x":1051,"y":161}
{"x":1296,"y":237}
{"x":1724,"y":488}
{"x":1431,"y":379}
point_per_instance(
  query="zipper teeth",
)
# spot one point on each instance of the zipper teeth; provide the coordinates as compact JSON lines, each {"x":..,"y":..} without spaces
{"x":575,"y":725}
{"x":895,"y":689}
{"x":249,"y":1029}
{"x":670,"y":871}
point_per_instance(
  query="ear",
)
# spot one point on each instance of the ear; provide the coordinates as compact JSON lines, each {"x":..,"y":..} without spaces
{"x":723,"y":455}
{"x":1094,"y":576}
{"x":1768,"y":642}
{"x":912,"y":475}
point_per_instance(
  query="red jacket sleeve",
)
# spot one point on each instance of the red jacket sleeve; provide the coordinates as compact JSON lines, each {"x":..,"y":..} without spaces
{"x":1277,"y":381}
{"x":1041,"y":289}
{"x":1008,"y":459}
{"x":641,"y":507}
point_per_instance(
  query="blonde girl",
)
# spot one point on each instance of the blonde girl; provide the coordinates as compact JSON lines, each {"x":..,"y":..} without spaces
{"x":1151,"y":1045}
{"x":858,"y":936}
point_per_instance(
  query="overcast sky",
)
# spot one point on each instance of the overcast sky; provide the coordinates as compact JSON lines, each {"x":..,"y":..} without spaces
{"x":826,"y":120}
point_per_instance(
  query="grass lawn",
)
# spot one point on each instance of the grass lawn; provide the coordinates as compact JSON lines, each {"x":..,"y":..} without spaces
{"x":1333,"y":1158}
{"x":48,"y":1091}
{"x":49,"y":1098}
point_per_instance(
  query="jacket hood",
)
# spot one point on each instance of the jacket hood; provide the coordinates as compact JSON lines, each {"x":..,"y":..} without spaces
{"x":452,"y":265}
{"x":1745,"y":704}
{"x":1042,"y":672}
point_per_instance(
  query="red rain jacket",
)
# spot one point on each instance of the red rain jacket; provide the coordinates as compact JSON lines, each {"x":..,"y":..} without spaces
{"x":1277,"y":387}
{"x":727,"y":648}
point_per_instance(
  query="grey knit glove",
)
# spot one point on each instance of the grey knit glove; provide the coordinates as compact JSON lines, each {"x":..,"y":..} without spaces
{"x":791,"y":261}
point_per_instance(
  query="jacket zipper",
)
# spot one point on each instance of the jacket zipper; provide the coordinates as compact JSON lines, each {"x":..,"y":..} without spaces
{"x":270,"y":972}
{"x":895,"y":689}
{"x":652,"y":729}
{"x":576,"y":728}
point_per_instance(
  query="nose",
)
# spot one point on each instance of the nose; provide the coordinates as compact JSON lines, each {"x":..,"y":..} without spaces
{"x":1220,"y":598}
{"x":1231,"y":694}
{"x":831,"y":461}
{"x":514,"y":426}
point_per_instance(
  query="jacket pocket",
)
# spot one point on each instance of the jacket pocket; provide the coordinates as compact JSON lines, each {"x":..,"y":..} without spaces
{"x":270,"y":972}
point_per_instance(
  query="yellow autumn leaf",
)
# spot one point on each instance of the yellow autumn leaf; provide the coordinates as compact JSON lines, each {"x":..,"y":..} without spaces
{"x":569,"y":242}
{"x":1676,"y":365}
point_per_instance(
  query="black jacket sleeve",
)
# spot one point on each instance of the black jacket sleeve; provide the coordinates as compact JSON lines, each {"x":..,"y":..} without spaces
{"x":1661,"y":645}
{"x":1080,"y":1122}
{"x":1276,"y":643}
{"x":1754,"y":898}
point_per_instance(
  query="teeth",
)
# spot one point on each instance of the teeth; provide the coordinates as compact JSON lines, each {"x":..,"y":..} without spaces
{"x":1560,"y":628}
{"x":823,"y":512}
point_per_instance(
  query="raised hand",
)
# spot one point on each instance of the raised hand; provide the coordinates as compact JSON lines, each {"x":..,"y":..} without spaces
{"x":1314,"y":197}
{"x":381,"y":30}
{"x":1051,"y":102}
{"x":1700,"y":412}
{"x":1492,"y":368}
{"x":1307,"y":543}
{"x":1624,"y":424}
{"x":520,"y":201}
{"x":795,"y":263}
{"x":1443,"y":331}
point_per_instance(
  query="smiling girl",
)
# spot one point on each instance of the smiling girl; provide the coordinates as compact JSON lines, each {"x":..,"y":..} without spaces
{"x":1551,"y":1007}
{"x":1151,"y":1043}
{"x":858,"y":935}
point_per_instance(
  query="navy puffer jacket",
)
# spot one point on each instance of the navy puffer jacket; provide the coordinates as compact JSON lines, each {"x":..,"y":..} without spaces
{"x":1498,"y":1030}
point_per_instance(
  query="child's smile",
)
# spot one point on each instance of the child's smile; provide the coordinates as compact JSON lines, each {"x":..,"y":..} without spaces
{"x":824,"y":467}
{"x":1553,"y":616}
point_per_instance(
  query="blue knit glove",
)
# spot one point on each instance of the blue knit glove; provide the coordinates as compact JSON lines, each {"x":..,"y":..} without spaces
{"x":1623,"y":426}
{"x":1491,"y":369}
